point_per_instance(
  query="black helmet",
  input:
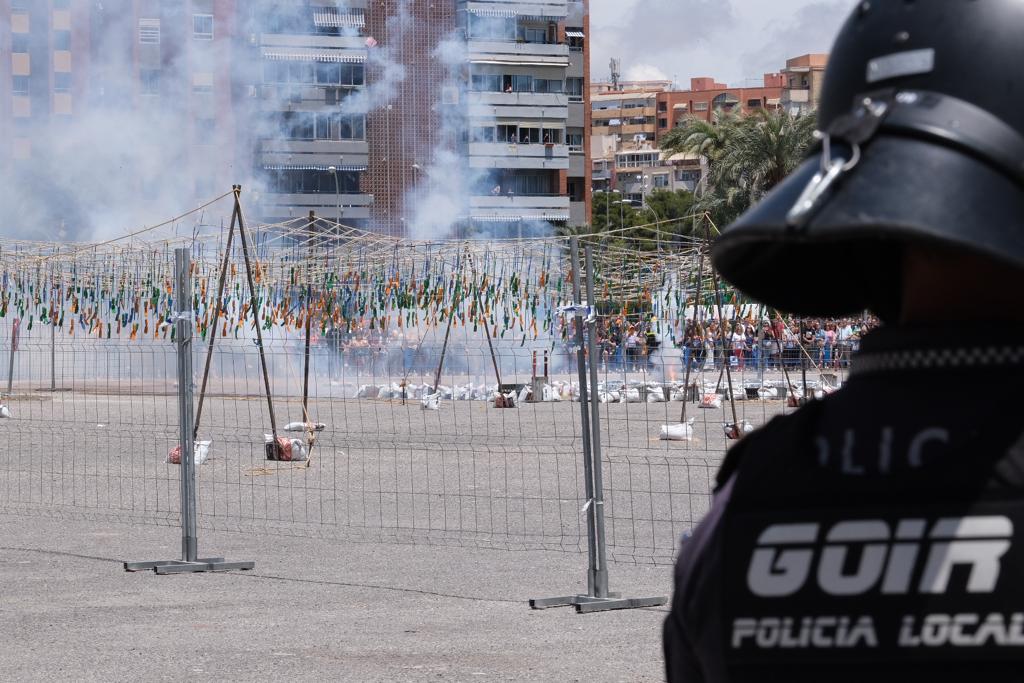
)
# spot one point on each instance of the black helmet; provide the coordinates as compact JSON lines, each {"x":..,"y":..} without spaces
{"x":922,"y":140}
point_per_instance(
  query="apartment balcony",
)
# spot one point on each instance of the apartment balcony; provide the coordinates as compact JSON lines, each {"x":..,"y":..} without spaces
{"x":519,"y":207}
{"x":515,"y":53}
{"x":339,"y":153}
{"x":530,"y":105}
{"x":356,"y":45}
{"x":326,"y":204}
{"x":532,"y":8}
{"x":512,"y":155}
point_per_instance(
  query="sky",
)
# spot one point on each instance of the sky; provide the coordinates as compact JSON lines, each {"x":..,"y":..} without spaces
{"x":733,"y":41}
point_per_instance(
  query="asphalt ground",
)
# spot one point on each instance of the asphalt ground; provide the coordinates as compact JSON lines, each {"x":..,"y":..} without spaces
{"x":310,"y":610}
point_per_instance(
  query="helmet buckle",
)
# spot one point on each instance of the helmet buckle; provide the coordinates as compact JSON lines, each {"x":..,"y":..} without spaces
{"x":832,"y":169}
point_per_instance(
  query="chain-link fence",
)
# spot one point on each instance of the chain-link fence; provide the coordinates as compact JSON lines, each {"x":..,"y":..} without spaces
{"x":384,"y":361}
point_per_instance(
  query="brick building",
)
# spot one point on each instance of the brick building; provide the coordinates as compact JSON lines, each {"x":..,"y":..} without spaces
{"x":342,"y":113}
{"x":705,"y":96}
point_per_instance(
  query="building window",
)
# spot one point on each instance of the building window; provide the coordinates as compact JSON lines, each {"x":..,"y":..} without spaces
{"x":61,"y":82}
{"x":575,"y":141}
{"x":19,"y":43}
{"x":202,"y":82}
{"x":313,"y":182}
{"x":662,"y":123}
{"x":149,"y":31}
{"x":661,"y":181}
{"x":754,"y":104}
{"x":149,"y":81}
{"x":574,"y":89}
{"x":700,"y":106}
{"x":663,"y":106}
{"x":547,"y":85}
{"x":21,"y":85}
{"x":486,"y":83}
{"x":62,"y":40}
{"x":574,"y":37}
{"x":202,"y":26}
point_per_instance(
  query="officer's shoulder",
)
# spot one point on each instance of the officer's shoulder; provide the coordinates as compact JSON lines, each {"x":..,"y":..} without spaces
{"x":779,"y":436}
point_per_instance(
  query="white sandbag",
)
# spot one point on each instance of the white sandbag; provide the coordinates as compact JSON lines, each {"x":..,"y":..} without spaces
{"x":300,"y":453}
{"x":431,"y":402}
{"x":304,"y":427}
{"x":711,"y":401}
{"x":525,"y":394}
{"x":731,"y":432}
{"x":5,"y":412}
{"x":678,"y":395}
{"x":655,"y":395}
{"x":631,"y":395}
{"x":384,"y":392}
{"x":767,"y":393}
{"x":363,"y":392}
{"x":200,"y":452}
{"x":677,"y":432}
{"x":607,"y":397}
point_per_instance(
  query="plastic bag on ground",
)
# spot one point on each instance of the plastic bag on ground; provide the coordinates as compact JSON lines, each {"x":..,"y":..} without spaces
{"x":200,"y":452}
{"x":5,"y":411}
{"x":677,"y":432}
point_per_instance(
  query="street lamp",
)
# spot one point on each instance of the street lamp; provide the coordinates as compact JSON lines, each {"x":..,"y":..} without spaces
{"x":337,"y":195}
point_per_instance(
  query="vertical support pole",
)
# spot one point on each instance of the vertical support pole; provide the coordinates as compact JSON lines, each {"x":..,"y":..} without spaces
{"x":697,"y":327}
{"x":588,"y":463}
{"x":183,"y":333}
{"x":309,"y":314}
{"x":218,"y":311}
{"x":15,"y":329}
{"x":597,"y":508}
{"x":725,"y":348}
{"x":254,"y":299}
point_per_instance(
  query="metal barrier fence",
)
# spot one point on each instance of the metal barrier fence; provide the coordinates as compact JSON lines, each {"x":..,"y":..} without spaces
{"x":93,"y":417}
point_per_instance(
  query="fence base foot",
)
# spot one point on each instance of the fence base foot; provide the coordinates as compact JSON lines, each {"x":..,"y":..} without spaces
{"x":586,"y":603}
{"x":207,"y":564}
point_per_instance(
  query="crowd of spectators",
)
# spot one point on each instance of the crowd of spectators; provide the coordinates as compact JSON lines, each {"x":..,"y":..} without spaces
{"x":633,"y":346}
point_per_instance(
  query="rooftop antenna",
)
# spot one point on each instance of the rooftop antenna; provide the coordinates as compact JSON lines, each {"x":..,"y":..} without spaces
{"x":616,"y":67}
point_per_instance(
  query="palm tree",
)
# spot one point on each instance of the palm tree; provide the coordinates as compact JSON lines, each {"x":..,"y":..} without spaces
{"x":747,"y":156}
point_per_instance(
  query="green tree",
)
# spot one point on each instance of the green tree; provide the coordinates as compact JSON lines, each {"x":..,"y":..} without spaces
{"x":747,"y":156}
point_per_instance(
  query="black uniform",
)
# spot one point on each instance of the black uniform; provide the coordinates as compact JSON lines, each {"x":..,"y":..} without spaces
{"x":875,"y":535}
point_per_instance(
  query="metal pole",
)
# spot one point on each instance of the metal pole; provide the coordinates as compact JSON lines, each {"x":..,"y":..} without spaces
{"x":10,"y":366}
{"x":721,"y":323}
{"x":218,"y":310}
{"x":696,"y":328}
{"x":53,"y":356}
{"x":254,"y":303}
{"x":597,"y":509}
{"x":183,"y":297}
{"x":309,"y":313}
{"x":588,"y":463}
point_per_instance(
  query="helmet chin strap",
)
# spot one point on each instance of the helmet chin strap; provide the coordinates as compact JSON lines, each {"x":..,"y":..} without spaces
{"x":821,"y":183}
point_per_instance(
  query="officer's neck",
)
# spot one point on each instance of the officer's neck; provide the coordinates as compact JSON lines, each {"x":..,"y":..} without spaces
{"x":941,"y":286}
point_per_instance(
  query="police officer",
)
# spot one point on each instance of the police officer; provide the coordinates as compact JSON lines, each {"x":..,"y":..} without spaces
{"x":878,"y":535}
